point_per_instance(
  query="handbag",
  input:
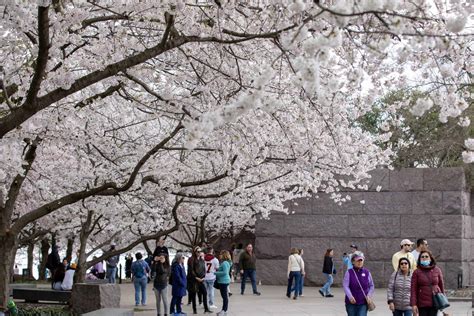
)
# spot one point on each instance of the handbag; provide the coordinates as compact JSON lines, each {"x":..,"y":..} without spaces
{"x":440,"y":301}
{"x":217,"y":285}
{"x":370,"y":302}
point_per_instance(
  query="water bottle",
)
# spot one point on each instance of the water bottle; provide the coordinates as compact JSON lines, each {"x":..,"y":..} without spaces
{"x":12,"y":309}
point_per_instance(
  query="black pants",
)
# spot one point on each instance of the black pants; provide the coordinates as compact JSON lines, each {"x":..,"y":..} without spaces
{"x":201,"y":292}
{"x":427,"y":311}
{"x":225,"y":296}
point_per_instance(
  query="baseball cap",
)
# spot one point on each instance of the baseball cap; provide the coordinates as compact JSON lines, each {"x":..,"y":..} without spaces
{"x":354,"y":246}
{"x":357,"y":257}
{"x":406,"y":242}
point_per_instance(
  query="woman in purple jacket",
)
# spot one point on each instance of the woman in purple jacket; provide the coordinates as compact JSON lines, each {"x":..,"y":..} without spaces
{"x":358,"y":286}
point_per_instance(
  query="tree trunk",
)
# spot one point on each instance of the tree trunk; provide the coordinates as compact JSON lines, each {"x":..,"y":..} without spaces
{"x":31,"y":249}
{"x":147,"y":248}
{"x":44,"y":258}
{"x":81,"y":268}
{"x":8,"y":247}
{"x":70,"y":244}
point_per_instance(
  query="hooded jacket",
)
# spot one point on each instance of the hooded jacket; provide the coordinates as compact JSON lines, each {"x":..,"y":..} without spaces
{"x":424,"y":283}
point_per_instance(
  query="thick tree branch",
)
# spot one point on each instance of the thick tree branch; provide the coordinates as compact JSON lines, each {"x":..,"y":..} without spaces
{"x":184,"y":184}
{"x":42,"y":59}
{"x":27,"y":110}
{"x":7,"y":91}
{"x":108,"y":92}
{"x":140,"y":240}
{"x":108,"y":188}
{"x":15,"y":187}
{"x":104,"y":18}
{"x":142,"y":161}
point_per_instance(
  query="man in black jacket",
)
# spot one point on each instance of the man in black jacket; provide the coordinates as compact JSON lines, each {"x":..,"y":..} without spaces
{"x":196,"y":274}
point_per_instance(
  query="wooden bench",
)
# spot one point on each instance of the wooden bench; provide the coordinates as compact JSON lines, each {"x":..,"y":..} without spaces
{"x":35,"y":295}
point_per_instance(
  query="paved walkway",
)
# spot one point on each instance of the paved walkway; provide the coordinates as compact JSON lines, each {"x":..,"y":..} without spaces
{"x":274,"y":302}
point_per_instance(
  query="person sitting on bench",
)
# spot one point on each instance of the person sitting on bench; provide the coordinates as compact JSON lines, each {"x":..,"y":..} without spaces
{"x":68,"y":278}
{"x":58,"y":277}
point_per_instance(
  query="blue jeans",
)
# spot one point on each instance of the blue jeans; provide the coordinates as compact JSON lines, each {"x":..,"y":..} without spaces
{"x":356,"y":310}
{"x":111,"y":272}
{"x":398,"y":312}
{"x":225,"y":296}
{"x":301,"y":284}
{"x":327,"y":286}
{"x":297,"y":276}
{"x":210,"y":291}
{"x":140,"y":286}
{"x":252,"y":274}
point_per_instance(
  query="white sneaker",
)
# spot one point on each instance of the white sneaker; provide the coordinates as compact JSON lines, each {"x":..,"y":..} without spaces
{"x":213,"y":306}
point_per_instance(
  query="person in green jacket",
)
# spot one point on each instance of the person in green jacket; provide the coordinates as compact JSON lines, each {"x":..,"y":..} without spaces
{"x":223,"y":280}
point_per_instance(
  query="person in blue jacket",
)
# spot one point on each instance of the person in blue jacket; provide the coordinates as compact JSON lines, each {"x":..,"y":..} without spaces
{"x":178,"y":282}
{"x":223,"y":280}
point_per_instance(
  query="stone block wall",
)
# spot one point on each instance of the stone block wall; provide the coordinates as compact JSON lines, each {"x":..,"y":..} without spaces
{"x":413,"y":203}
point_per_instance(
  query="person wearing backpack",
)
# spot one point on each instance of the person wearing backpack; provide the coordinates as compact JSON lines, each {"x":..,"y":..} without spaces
{"x":140,"y":270}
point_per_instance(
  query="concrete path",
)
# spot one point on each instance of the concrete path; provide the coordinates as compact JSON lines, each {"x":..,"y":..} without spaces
{"x":274,"y":302}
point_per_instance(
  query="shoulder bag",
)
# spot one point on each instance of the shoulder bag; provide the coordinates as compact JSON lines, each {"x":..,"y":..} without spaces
{"x":440,"y":301}
{"x":370,"y":302}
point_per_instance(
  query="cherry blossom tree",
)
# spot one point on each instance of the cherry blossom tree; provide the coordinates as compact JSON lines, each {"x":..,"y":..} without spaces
{"x":232,"y":107}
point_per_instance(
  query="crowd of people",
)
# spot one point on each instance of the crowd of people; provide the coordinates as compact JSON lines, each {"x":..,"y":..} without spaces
{"x":204,"y":273}
{"x":414,"y":287}
{"x":411,"y":290}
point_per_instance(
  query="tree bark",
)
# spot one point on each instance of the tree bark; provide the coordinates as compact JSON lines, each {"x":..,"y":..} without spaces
{"x":70,"y":244}
{"x":31,"y":249}
{"x":147,"y":248}
{"x":44,"y":258}
{"x":81,"y":268}
{"x":8,"y":247}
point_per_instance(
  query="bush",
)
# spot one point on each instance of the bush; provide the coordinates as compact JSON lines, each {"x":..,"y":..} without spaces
{"x":44,"y":311}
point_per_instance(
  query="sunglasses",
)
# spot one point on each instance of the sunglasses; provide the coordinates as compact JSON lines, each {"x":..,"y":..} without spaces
{"x":426,"y":257}
{"x":404,"y":263}
{"x":407,"y":245}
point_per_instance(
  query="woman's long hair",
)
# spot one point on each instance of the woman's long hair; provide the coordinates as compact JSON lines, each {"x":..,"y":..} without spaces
{"x":328,"y":252}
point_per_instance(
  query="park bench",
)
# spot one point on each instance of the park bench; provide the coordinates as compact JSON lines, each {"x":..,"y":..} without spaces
{"x":35,"y":295}
{"x":20,"y":286}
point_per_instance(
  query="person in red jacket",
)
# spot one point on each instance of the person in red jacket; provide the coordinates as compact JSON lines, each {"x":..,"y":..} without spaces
{"x":427,"y":280}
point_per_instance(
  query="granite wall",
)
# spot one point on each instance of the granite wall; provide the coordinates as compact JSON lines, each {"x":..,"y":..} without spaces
{"x":413,"y":203}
